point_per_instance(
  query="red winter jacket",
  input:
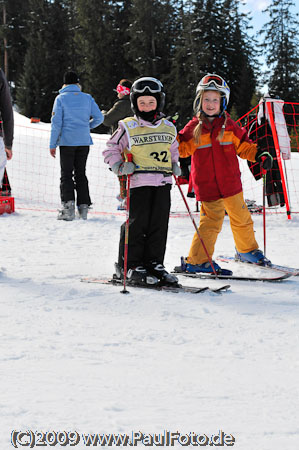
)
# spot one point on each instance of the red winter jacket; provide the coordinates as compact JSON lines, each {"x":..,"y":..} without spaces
{"x":215,"y":168}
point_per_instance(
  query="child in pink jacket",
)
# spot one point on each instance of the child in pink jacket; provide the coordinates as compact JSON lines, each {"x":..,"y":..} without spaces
{"x":151,"y":141}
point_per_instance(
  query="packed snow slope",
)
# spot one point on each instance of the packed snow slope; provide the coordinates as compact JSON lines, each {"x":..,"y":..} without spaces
{"x":85,"y":358}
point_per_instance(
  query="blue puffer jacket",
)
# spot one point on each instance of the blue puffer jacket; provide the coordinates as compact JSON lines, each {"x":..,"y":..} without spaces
{"x":74,"y":114}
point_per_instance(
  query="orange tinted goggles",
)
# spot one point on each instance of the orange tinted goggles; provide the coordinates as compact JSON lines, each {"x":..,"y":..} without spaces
{"x":217,"y":80}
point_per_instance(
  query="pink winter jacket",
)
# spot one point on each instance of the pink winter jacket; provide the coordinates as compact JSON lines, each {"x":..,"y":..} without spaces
{"x":119,"y":142}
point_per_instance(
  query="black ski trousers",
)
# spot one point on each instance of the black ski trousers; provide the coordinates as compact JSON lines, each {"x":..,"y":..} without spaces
{"x":148,"y":226}
{"x":73,"y":177}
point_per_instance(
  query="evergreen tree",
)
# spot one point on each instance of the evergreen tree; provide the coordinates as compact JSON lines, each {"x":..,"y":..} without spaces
{"x":190,"y":55}
{"x":239,"y":56}
{"x":100,"y":44}
{"x":210,"y":16}
{"x":123,"y":20}
{"x":281,"y":45}
{"x":14,"y":32}
{"x":45,"y":59}
{"x":214,"y":39}
{"x":74,"y":55}
{"x":151,"y":32}
{"x":32,"y":81}
{"x":106,"y":40}
{"x":59,"y":51}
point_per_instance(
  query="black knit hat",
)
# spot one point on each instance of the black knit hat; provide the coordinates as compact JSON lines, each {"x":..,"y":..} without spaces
{"x":70,"y":78}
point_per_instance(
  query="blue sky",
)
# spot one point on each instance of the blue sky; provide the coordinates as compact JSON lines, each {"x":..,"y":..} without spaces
{"x":256,"y":7}
{"x":259,"y":18}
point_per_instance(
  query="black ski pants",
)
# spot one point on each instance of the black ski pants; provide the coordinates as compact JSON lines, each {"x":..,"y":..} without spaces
{"x":73,"y":177}
{"x":148,"y":226}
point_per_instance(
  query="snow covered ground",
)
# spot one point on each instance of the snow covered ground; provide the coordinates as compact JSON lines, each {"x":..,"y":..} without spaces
{"x":85,"y":358}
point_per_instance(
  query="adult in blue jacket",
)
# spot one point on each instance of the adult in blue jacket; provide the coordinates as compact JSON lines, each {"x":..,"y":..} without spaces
{"x":74,"y":114}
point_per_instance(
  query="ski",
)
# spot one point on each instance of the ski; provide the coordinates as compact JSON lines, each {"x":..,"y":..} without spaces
{"x":176,"y":289}
{"x":211,"y":276}
{"x":285,"y":269}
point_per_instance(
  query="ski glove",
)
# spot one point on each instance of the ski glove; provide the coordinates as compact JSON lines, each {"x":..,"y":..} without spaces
{"x":123,"y":168}
{"x":265,"y":159}
{"x":176,"y":170}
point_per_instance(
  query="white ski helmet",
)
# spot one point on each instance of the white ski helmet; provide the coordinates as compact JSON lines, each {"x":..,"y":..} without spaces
{"x":212,"y":82}
{"x":147,"y":86}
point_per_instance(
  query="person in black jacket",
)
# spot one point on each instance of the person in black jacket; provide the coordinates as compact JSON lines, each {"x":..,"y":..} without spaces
{"x":120,"y":110}
{"x":6,"y":124}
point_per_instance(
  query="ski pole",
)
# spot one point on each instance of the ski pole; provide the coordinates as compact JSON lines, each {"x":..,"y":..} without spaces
{"x":195,"y":226}
{"x":264,"y":172}
{"x":125,"y":291}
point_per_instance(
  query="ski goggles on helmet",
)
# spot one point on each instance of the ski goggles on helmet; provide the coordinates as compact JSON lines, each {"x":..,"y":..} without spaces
{"x":120,"y":89}
{"x":147,"y":84}
{"x":212,"y":78}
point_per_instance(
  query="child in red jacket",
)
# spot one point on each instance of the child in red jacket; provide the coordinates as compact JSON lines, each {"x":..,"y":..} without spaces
{"x":214,"y":140}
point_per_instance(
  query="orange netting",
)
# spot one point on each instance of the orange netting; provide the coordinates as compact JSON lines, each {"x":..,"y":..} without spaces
{"x":34,"y":176}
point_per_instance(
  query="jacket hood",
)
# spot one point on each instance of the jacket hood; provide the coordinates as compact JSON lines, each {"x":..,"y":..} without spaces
{"x":70,"y":88}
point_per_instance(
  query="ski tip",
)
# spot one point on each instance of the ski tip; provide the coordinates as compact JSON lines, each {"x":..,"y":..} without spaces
{"x":223,"y":288}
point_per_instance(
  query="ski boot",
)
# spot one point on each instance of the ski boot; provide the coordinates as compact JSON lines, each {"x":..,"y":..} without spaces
{"x":159,"y":271}
{"x":67,"y":212}
{"x":253,"y":257}
{"x":123,"y":205}
{"x":83,"y":211}
{"x":203,"y":268}
{"x":137,"y":275}
{"x":118,"y":272}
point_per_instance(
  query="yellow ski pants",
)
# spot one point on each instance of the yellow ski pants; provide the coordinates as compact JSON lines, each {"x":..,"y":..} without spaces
{"x":211,"y":220}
